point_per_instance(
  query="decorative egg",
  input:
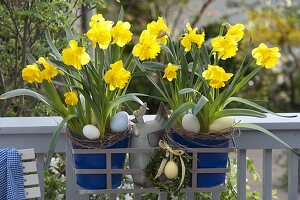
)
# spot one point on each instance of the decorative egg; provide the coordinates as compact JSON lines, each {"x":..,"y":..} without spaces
{"x":222,"y":124}
{"x":119,"y":122}
{"x":91,"y":132}
{"x":171,"y":170}
{"x":191,"y":123}
{"x":82,"y":101}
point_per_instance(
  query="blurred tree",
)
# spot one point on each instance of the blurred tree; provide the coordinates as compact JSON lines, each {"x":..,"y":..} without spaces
{"x":22,"y":26}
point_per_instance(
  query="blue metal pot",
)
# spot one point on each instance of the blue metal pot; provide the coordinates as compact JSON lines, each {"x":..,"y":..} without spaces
{"x":206,"y":160}
{"x":98,"y":161}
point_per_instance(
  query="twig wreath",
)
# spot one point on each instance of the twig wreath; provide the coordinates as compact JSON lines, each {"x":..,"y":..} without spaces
{"x":158,"y":164}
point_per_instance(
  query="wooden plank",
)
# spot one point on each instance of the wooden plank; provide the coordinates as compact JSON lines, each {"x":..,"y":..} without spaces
{"x":33,"y":192}
{"x":71,"y":191}
{"x":216,"y":195}
{"x":163,"y":196}
{"x":27,"y":154}
{"x":267,"y":174}
{"x":29,"y":167}
{"x":31,"y":179}
{"x":145,"y":150}
{"x":292,"y":175}
{"x":241,"y":174}
{"x":40,"y":166}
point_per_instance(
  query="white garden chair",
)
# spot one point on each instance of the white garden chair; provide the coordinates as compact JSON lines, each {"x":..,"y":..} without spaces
{"x":31,"y":179}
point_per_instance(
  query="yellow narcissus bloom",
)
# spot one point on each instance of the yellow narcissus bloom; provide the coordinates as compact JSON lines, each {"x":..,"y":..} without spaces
{"x":71,"y":98}
{"x":236,"y":32}
{"x":121,"y":33}
{"x":225,"y":46}
{"x":266,"y":57}
{"x":75,"y":55}
{"x":159,"y":29}
{"x":216,"y":75}
{"x":147,"y":48}
{"x":170,"y":72}
{"x":192,"y":37}
{"x":117,"y":76}
{"x":100,"y":33}
{"x":50,"y":71}
{"x":96,"y":19}
{"x":32,"y":73}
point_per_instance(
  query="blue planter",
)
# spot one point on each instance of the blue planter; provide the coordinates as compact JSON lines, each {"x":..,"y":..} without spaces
{"x":206,"y":160}
{"x":98,"y":161}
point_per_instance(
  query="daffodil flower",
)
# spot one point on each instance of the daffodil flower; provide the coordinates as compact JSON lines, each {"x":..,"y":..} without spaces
{"x":266,"y":57}
{"x":170,"y":72}
{"x":192,"y":37}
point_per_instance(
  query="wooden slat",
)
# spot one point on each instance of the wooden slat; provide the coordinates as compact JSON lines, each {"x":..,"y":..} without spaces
{"x":31,"y":179}
{"x":292,"y":176}
{"x":27,"y":154}
{"x":163,"y":196}
{"x":267,"y":174}
{"x":241,"y":174}
{"x":216,"y":195}
{"x":33,"y":192}
{"x":29,"y":167}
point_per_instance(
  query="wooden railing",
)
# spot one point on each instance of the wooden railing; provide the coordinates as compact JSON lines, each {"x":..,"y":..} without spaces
{"x":36,"y":132}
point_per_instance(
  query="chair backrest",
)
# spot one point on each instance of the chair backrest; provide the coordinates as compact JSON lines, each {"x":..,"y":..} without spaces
{"x":31,"y":179}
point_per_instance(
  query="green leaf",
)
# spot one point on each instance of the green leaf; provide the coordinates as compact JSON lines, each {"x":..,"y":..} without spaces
{"x":55,"y":137}
{"x":238,"y":112}
{"x":245,"y":80}
{"x":183,"y":108}
{"x":51,"y":44}
{"x":121,"y":14}
{"x":143,"y":74}
{"x":188,"y":90}
{"x":69,"y":33}
{"x":26,"y":92}
{"x":263,"y":130}
{"x":30,"y":58}
{"x":150,"y":65}
{"x":254,"y":105}
{"x":166,"y":49}
{"x":121,"y":99}
{"x":201,"y":102}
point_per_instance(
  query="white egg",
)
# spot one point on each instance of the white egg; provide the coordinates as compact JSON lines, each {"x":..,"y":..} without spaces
{"x":171,"y":170}
{"x":190,"y":123}
{"x":91,"y":132}
{"x":119,"y":122}
{"x":222,"y":124}
{"x":82,"y":101}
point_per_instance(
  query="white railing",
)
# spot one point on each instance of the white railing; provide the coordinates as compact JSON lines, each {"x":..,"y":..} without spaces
{"x":36,"y":132}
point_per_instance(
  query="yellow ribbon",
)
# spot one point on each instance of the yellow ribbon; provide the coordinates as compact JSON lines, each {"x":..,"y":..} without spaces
{"x":170,"y":151}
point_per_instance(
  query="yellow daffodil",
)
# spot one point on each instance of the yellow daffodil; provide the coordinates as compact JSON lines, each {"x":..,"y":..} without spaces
{"x":117,"y":76}
{"x":266,"y":57}
{"x":147,"y":48}
{"x":236,"y":32}
{"x":225,"y":46}
{"x":159,"y":29}
{"x":75,"y":55}
{"x":216,"y":75}
{"x":192,"y":37}
{"x":100,"y":33}
{"x":71,"y":98}
{"x":121,"y":33}
{"x":170,"y":72}
{"x":32,"y":73}
{"x":49,"y":70}
{"x":96,"y":19}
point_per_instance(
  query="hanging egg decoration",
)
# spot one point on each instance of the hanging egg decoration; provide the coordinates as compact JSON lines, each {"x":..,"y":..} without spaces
{"x":222,"y":124}
{"x":119,"y":122}
{"x":91,"y":132}
{"x":191,"y":123}
{"x":171,"y":170}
